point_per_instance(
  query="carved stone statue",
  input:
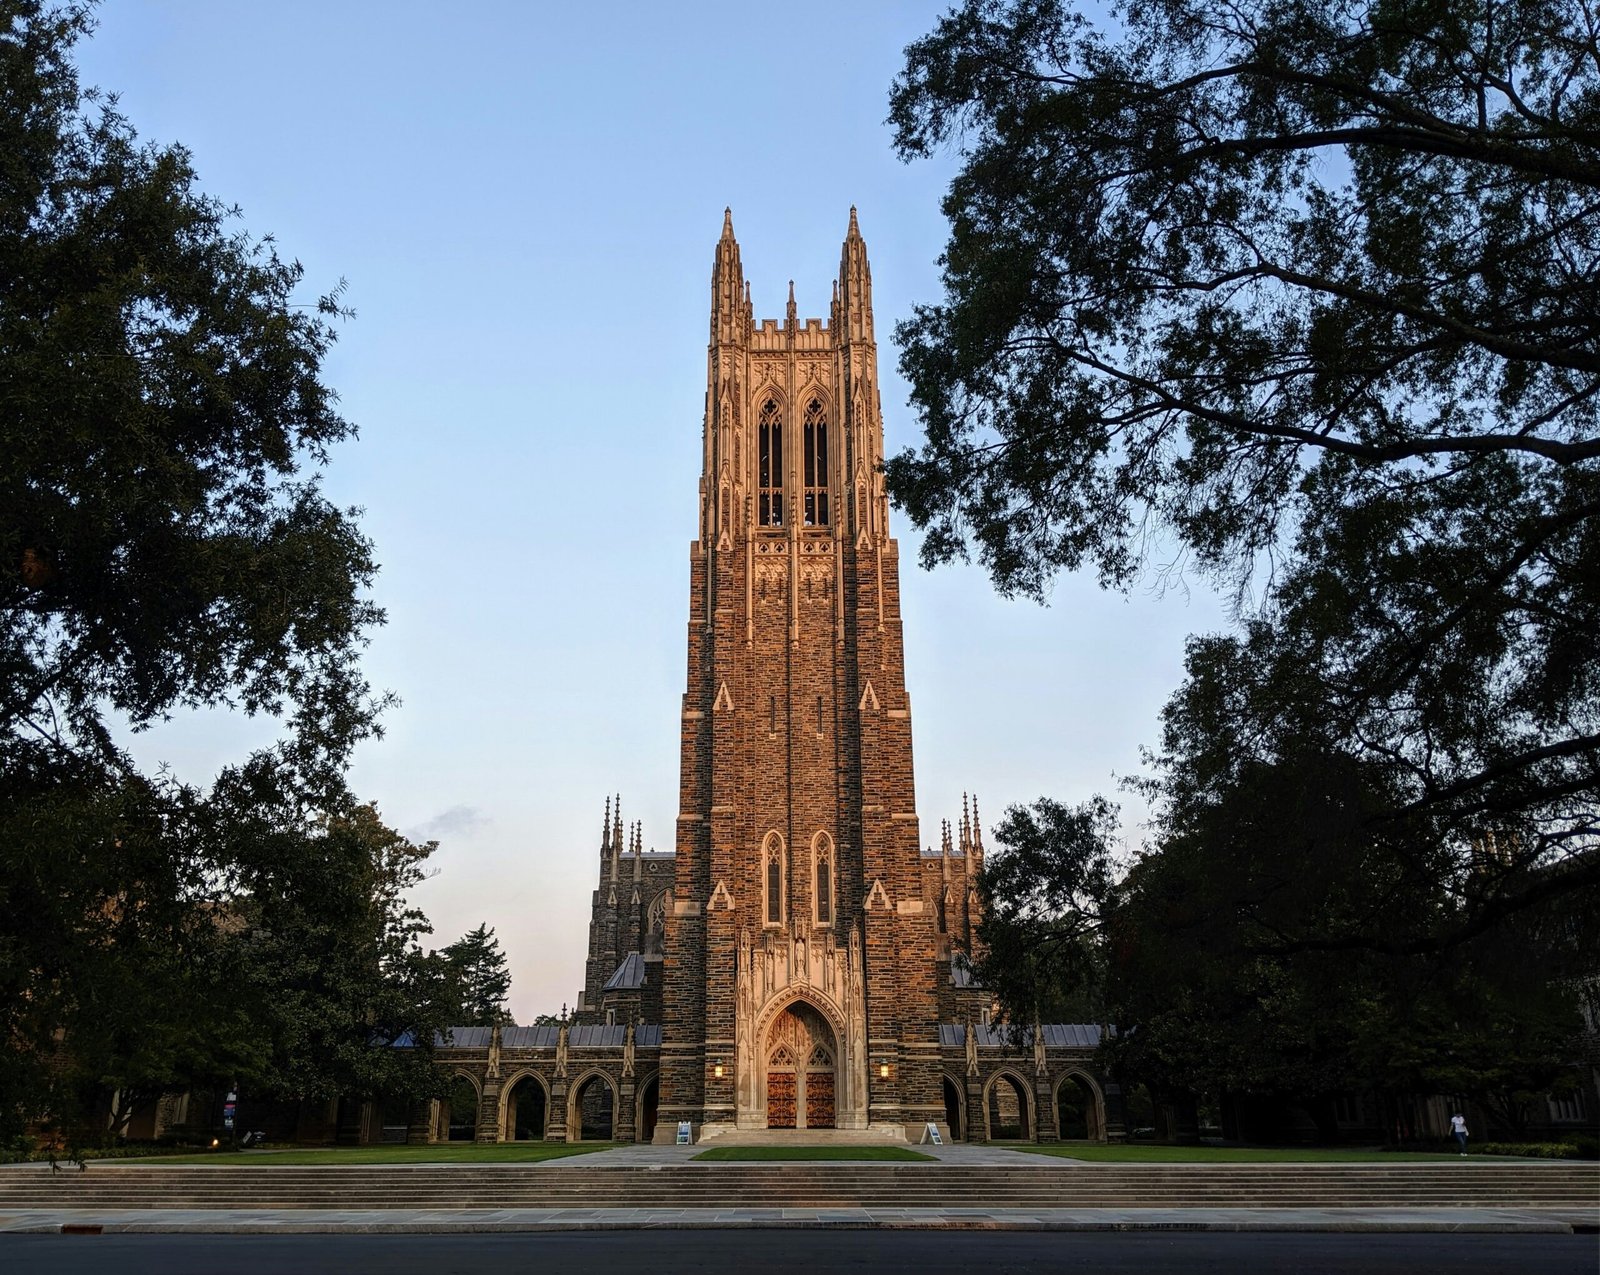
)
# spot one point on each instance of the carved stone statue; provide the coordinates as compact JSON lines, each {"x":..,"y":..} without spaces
{"x":972,"y":1050}
{"x":561,"y":1053}
{"x":627,"y":1053}
{"x":494,"y":1052}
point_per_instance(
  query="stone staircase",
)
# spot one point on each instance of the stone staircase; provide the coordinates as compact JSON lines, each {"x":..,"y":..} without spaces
{"x":807,"y":1185}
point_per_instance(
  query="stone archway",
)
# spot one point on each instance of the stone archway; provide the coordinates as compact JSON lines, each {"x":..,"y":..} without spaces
{"x":459,"y":1119}
{"x":649,"y":1099}
{"x":591,"y":1113}
{"x":955,"y":1103}
{"x":801,"y":1065}
{"x":1008,"y":1108}
{"x":527,"y":1109}
{"x":1080,"y":1109}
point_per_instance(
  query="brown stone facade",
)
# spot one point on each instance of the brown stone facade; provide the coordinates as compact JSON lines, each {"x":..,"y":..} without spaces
{"x":789,"y":963}
{"x":798,"y":858}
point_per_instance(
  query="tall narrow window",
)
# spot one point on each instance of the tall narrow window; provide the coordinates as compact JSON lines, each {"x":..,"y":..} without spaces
{"x":816,"y":462}
{"x":822,"y":880}
{"x":774,"y":874}
{"x":769,"y":463}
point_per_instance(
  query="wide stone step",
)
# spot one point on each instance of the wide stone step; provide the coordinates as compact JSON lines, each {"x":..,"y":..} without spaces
{"x":1048,"y":1184}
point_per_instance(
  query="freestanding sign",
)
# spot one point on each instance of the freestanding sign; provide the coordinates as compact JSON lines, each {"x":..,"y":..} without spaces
{"x":684,"y":1134}
{"x":930,"y":1133}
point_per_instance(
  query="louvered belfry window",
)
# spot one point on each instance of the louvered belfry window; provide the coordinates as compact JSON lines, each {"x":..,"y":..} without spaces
{"x":816,"y":465}
{"x":769,"y":463}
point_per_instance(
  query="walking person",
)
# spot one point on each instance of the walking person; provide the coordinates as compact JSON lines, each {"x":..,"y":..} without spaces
{"x":1458,"y":1127}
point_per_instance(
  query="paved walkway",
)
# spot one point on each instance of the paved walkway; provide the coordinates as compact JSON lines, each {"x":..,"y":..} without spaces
{"x":446,"y":1221}
{"x":672,"y":1156}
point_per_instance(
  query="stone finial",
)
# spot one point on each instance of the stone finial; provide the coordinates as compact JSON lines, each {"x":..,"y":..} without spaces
{"x":605,"y":828}
{"x":855,"y":229}
{"x":727,"y":223}
{"x":790,"y":315}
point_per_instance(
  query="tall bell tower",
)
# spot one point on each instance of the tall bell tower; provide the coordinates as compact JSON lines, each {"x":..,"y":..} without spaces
{"x":798,"y":989}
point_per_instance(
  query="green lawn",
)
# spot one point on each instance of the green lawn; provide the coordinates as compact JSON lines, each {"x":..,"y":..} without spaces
{"x":811,"y":1153}
{"x":1137,"y":1154}
{"x":442,"y":1153}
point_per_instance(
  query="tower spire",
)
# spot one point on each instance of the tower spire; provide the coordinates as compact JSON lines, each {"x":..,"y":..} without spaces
{"x":855,"y":284}
{"x":728,"y":303}
{"x":616,"y":835}
{"x":605,"y":829}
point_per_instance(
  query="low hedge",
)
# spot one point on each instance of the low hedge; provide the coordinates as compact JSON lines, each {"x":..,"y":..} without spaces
{"x":1532,"y":1150}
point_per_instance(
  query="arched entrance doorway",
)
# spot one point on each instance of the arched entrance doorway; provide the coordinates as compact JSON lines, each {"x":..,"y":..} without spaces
{"x":1078,"y":1111}
{"x":461,"y":1115}
{"x":952,"y":1108}
{"x":526,"y":1109}
{"x":593,"y":1104}
{"x":1008,"y":1109}
{"x":802,"y":1069}
{"x":649,"y":1097}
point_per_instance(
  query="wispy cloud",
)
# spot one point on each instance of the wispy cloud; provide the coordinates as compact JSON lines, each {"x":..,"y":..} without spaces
{"x":458,"y":821}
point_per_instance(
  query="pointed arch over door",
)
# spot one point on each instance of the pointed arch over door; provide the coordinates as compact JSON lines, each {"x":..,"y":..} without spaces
{"x":801,"y":1056}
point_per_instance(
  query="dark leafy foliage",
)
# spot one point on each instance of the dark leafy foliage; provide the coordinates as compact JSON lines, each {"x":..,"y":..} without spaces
{"x":164,"y":545}
{"x":1045,"y":897}
{"x":1308,"y":294}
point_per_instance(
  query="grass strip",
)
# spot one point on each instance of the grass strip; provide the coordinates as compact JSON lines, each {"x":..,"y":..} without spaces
{"x":1223,"y":1155}
{"x":440,"y":1153}
{"x":812,"y":1153}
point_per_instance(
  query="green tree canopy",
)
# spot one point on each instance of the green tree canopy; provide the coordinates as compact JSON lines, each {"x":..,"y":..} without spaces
{"x":164,"y":545}
{"x":476,"y":980}
{"x":1306,"y":294}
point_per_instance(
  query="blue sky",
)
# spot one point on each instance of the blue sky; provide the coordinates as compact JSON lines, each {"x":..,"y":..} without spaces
{"x":524,"y":199}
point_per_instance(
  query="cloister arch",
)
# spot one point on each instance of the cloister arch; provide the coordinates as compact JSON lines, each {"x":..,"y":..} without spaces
{"x":592,"y":1108}
{"x":458,"y":1111}
{"x":1008,"y":1108}
{"x":955,"y":1107}
{"x":525,"y":1108}
{"x":645,"y":1102}
{"x":1080,"y":1108}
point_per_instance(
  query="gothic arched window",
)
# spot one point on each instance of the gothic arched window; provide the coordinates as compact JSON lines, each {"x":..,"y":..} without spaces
{"x":772,"y":858}
{"x":822,"y":878}
{"x":769,"y":465}
{"x":816,"y":462}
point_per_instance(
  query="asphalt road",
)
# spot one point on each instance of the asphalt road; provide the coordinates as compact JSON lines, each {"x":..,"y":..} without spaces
{"x":776,"y":1252}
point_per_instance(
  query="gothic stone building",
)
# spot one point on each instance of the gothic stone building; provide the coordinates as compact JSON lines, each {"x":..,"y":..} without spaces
{"x":789,"y":963}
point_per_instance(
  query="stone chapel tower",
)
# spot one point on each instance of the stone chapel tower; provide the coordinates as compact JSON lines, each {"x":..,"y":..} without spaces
{"x":799,"y":988}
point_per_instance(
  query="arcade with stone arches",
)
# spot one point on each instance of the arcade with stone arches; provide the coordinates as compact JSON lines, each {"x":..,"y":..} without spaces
{"x":602,"y":1099}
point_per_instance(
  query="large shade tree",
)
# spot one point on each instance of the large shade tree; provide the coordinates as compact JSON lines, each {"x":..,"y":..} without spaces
{"x":1304,"y":296}
{"x":165,"y":546}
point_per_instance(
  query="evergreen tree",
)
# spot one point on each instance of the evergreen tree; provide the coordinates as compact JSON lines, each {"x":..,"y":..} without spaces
{"x":474,"y":969}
